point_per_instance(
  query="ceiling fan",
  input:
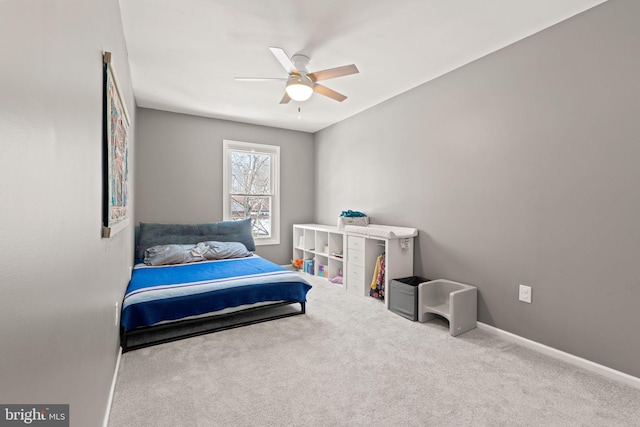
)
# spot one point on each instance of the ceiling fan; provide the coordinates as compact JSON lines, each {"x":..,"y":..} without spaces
{"x":301,"y":84}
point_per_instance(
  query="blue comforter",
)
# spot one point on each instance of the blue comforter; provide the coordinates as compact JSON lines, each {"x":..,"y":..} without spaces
{"x":172,"y":292}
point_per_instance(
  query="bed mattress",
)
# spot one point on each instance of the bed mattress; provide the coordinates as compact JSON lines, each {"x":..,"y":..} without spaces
{"x":160,"y":294}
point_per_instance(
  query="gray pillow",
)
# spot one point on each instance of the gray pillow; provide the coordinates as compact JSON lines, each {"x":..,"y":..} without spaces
{"x":151,"y":234}
{"x":171,"y":254}
{"x":183,"y":254}
{"x":221,"y":250}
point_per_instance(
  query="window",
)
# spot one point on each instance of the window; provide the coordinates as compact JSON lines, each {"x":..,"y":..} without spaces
{"x":251,"y":188}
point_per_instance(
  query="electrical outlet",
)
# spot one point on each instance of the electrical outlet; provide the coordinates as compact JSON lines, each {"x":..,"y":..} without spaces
{"x":525,"y":294}
{"x":117,"y":313}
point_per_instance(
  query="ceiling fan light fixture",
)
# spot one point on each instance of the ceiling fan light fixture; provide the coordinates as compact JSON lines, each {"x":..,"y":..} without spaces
{"x":299,"y":88}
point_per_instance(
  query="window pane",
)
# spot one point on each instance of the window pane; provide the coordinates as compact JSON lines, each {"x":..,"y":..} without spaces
{"x":251,"y":187}
{"x":250,"y":173}
{"x":258,"y":208}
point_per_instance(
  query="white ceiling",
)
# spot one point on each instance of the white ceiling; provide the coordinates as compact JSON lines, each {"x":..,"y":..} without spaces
{"x":184,"y":54}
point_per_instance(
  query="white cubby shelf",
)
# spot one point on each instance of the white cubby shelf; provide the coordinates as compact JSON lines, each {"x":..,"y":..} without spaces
{"x":322,"y":244}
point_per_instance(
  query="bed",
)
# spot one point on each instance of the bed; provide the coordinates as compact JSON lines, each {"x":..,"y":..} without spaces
{"x":190,"y":280}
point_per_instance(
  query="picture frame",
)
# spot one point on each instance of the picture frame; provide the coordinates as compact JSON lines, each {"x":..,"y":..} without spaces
{"x":115,"y":154}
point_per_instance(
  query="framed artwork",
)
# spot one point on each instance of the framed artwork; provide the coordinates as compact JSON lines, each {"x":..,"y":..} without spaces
{"x":115,"y":215}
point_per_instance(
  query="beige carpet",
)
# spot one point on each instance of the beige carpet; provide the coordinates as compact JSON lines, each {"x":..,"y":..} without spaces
{"x":350,"y":362}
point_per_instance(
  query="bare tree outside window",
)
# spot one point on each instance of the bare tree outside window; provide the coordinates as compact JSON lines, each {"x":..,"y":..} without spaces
{"x":251,"y":181}
{"x":251,"y":190}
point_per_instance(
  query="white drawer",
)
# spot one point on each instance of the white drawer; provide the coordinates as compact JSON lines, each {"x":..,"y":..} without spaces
{"x":356,"y":257}
{"x":355,"y":288}
{"x":355,"y":272}
{"x":355,"y":281}
{"x":354,"y":242}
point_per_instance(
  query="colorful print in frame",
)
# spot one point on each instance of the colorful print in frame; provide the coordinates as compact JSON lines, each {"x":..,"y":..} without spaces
{"x":115,"y":154}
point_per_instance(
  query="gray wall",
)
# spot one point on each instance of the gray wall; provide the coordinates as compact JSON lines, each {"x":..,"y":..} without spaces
{"x":179,"y":170}
{"x":522,"y":167}
{"x":59,"y":279}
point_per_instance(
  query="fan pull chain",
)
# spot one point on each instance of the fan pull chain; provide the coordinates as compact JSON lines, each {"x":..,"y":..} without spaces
{"x":299,"y":112}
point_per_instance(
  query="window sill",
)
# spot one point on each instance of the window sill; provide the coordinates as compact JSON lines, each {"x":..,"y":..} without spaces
{"x":265,"y":242}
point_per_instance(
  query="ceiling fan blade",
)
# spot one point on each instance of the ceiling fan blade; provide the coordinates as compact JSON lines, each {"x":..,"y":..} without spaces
{"x":284,"y":60}
{"x":323,"y":90}
{"x":260,"y":79}
{"x":332,"y":73}
{"x":285,"y":99}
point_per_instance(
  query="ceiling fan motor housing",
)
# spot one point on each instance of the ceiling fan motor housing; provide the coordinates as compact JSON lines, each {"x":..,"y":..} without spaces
{"x":301,"y":62}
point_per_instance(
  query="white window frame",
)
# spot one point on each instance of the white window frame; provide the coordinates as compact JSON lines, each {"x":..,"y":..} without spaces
{"x":230,"y":147}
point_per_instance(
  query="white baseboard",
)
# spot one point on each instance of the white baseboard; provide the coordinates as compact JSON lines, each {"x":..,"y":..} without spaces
{"x":105,"y":421}
{"x":566,"y":357}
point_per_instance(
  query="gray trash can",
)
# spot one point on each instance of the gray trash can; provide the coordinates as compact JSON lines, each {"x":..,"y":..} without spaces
{"x":403,"y":296}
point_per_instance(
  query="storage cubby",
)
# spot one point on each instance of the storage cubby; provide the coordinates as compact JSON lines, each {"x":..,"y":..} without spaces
{"x":352,"y":253}
{"x":365,"y":244}
{"x":324,"y":245}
